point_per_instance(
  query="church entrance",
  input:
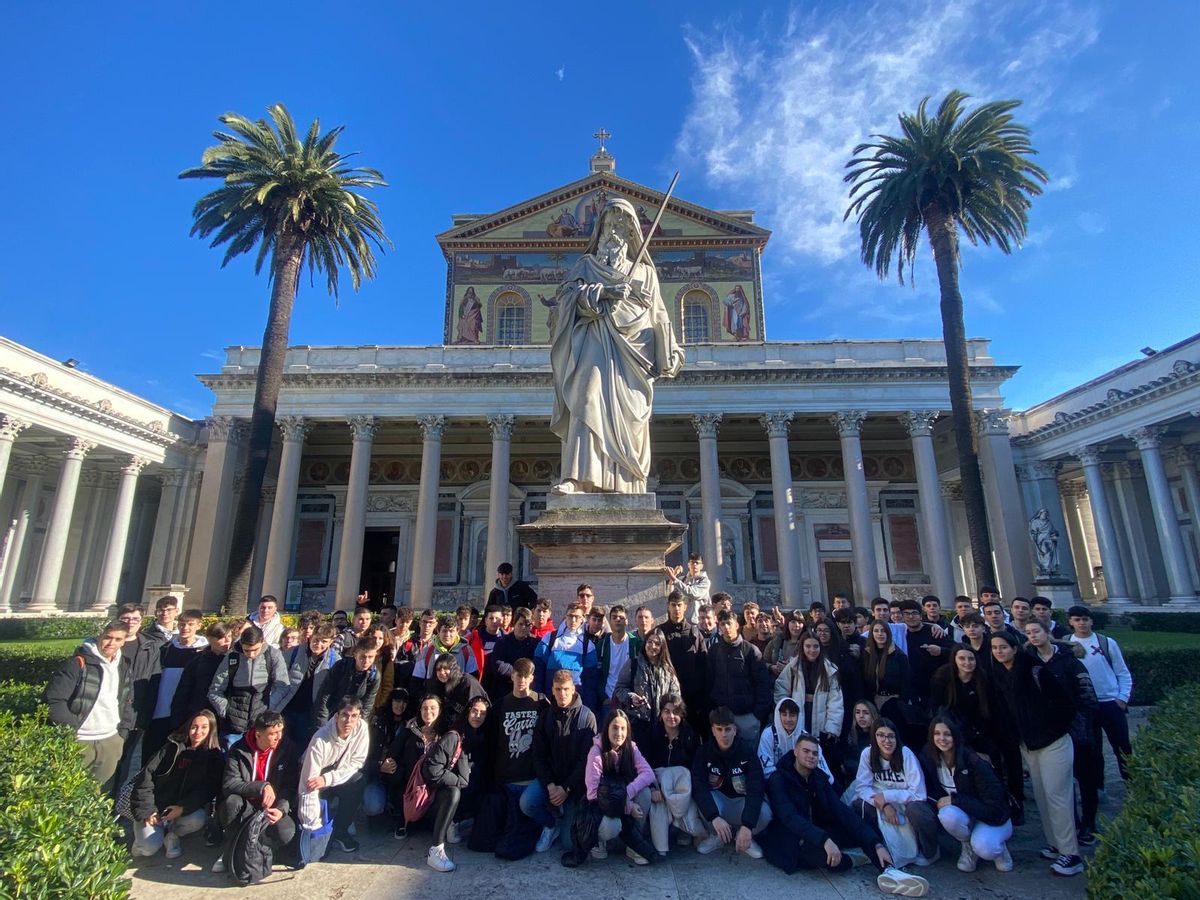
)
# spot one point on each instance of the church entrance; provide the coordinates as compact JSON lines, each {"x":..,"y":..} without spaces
{"x":380,"y":548}
{"x":839,"y":579}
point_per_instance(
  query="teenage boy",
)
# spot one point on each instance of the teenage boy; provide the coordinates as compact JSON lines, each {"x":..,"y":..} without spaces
{"x":174,"y":657}
{"x":268,"y":620}
{"x":143,"y":649}
{"x":720,"y":601}
{"x":91,"y":693}
{"x":706,"y":623}
{"x":561,"y":742}
{"x":332,"y":771}
{"x":357,"y":676}
{"x":693,"y":582}
{"x":191,"y":695}
{"x":570,"y":648}
{"x":483,"y":641}
{"x":689,"y":653}
{"x":517,"y":644}
{"x":510,"y":591}
{"x":613,"y":651}
{"x":543,"y":620}
{"x":1042,"y":609}
{"x":931,"y":606}
{"x":962,"y":606}
{"x":252,"y":680}
{"x":308,"y":668}
{"x":446,"y":640}
{"x":597,"y":623}
{"x":643,"y":621}
{"x":1112,"y":681}
{"x":1020,"y":612}
{"x":360,"y":623}
{"x":996,"y":619}
{"x":737,"y":679}
{"x":516,"y":719}
{"x":811,"y":826}
{"x":728,"y":788}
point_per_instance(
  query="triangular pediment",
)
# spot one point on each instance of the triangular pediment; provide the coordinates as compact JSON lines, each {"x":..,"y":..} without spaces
{"x":567,"y":215}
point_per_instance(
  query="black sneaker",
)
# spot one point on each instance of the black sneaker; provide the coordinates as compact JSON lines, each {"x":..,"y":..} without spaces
{"x":346,"y":844}
{"x":1050,"y":852}
{"x":1067,"y":865}
{"x":401,"y":832}
{"x":1086,"y":838}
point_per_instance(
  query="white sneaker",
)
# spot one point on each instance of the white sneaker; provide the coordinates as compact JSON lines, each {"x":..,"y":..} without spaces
{"x":896,"y":881}
{"x":967,"y":860}
{"x":754,"y":851}
{"x":1004,"y":862}
{"x":219,"y":865}
{"x":600,"y":851}
{"x":546,"y":841}
{"x":928,"y":860}
{"x":171,"y":845}
{"x":708,"y":845}
{"x":437,"y":860}
{"x":452,"y":835}
{"x":636,"y":858}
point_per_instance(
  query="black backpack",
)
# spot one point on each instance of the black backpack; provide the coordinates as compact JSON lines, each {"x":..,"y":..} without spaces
{"x":520,"y":836}
{"x":248,"y":856}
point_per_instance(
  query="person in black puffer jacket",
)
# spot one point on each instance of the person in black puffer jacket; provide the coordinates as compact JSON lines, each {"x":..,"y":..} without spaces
{"x":171,"y":795}
{"x":352,"y":676}
{"x":737,"y":678}
{"x":670,"y":748}
{"x":453,"y":687}
{"x":191,"y":695}
{"x":971,"y":802}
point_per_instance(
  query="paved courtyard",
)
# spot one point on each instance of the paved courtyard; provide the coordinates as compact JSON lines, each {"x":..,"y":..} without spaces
{"x":386,"y":868}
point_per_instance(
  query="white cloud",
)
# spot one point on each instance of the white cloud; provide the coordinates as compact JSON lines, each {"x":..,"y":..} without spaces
{"x":775,"y":118}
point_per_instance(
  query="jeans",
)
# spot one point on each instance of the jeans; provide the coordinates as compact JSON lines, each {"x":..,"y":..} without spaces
{"x":748,"y":728}
{"x":676,"y":808}
{"x":148,"y":839}
{"x":731,"y":808}
{"x":535,"y":803}
{"x":988,"y":841}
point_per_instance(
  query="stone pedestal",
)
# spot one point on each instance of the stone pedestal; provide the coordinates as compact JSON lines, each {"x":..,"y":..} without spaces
{"x":617,"y":543}
{"x":1062,"y":592}
{"x":154,"y":591}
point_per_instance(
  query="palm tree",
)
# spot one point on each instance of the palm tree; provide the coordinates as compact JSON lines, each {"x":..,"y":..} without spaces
{"x":959,"y":169}
{"x":295,"y":200}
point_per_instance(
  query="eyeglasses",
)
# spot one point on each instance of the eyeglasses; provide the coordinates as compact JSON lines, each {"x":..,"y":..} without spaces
{"x":882,"y":736}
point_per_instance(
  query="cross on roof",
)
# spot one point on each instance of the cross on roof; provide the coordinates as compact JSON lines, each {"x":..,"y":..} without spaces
{"x":602,"y":136}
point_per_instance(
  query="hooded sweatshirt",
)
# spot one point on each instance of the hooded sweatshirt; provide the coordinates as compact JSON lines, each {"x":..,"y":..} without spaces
{"x":175,"y":657}
{"x":105,"y":716}
{"x":334,"y":758}
{"x":775,"y":742}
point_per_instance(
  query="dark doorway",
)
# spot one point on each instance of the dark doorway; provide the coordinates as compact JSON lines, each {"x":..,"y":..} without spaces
{"x":380,"y":547}
{"x":839,"y":579}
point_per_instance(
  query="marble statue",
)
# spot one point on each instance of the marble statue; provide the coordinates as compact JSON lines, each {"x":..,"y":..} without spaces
{"x":612,"y":340}
{"x":1044,"y":536}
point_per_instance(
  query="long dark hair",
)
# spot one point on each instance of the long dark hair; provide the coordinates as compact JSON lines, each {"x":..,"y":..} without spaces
{"x":816,"y":678}
{"x":956,"y":692}
{"x":664,"y":656}
{"x":874,"y":660}
{"x":876,"y":760}
{"x":212,"y":742}
{"x":618,"y":761}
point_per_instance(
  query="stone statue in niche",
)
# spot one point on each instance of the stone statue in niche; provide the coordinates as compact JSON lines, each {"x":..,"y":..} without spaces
{"x":612,"y":340}
{"x":1044,"y":536}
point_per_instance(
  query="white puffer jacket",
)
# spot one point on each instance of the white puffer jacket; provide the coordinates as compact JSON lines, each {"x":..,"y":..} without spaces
{"x":827,"y":709}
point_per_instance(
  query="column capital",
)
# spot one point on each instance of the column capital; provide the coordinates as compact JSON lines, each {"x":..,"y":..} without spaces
{"x":1043,"y":468}
{"x":362,"y":428}
{"x":134,"y":465}
{"x":78,"y":448}
{"x":848,"y":422}
{"x":11,"y":426}
{"x":31,"y":466}
{"x":1073,"y":489}
{"x":501,"y":425}
{"x":295,"y":428}
{"x":919,"y":422}
{"x":706,"y":424}
{"x":225,"y":428}
{"x":776,"y":423}
{"x":1148,"y":437}
{"x":432,"y":426}
{"x":1089,"y":455}
{"x":991,"y":422}
{"x":268,"y":493}
{"x":1184,"y":456}
{"x":951,"y":490}
{"x":171,"y":477}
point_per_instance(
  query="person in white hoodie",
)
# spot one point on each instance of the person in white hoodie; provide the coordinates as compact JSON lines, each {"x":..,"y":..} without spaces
{"x":92,"y":693}
{"x":332,"y":770}
{"x":780,"y":737}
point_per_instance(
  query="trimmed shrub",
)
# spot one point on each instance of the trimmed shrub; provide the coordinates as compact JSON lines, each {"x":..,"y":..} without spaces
{"x":1150,"y":849}
{"x":1180,"y":622}
{"x":1158,"y":671}
{"x":20,"y":699}
{"x":49,"y":627}
{"x":35,"y":661}
{"x":57,"y":833}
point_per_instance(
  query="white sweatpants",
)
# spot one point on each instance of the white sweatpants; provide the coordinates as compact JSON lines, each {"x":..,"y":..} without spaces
{"x":1051,"y":770}
{"x":675,"y":809}
{"x":986,"y":840}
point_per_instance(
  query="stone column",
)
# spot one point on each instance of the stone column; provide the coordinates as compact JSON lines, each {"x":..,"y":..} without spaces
{"x":1072,"y":492}
{"x":33,"y":468}
{"x":1170,"y":539}
{"x":499,"y":536}
{"x":706,"y":425}
{"x":214,"y":513}
{"x":93,"y":539}
{"x":858,"y":502}
{"x":1043,"y":476}
{"x":1006,"y":522}
{"x":956,"y":536}
{"x":1185,"y":459}
{"x":933,"y":518}
{"x":10,"y":427}
{"x":349,"y":575}
{"x":425,"y":537}
{"x":45,"y":588}
{"x":283,"y":513}
{"x":1115,"y":583}
{"x":114,"y":554}
{"x":176,"y":568}
{"x":1138,"y":531}
{"x":164,"y":528}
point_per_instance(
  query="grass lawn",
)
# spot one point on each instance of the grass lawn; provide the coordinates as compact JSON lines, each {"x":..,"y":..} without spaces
{"x":62,"y":646}
{"x":1152,"y":640}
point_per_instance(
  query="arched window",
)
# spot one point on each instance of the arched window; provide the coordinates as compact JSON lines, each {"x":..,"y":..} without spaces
{"x":510,"y":316}
{"x":696,"y":325}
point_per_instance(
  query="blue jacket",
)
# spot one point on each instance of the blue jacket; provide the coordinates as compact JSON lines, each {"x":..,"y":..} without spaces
{"x":578,"y":657}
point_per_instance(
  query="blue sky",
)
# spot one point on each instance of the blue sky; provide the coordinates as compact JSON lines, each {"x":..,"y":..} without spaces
{"x":475,"y":107}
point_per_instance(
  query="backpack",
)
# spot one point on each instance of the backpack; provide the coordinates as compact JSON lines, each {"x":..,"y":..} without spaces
{"x":520,"y":835}
{"x":248,"y":857}
{"x":489,"y":823}
{"x":418,"y":796}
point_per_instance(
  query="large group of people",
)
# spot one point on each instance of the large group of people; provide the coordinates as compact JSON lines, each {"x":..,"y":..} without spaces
{"x":809,"y":738}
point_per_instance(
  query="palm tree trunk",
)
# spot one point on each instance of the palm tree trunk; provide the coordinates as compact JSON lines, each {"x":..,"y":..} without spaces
{"x":943,"y":238}
{"x":287,"y":259}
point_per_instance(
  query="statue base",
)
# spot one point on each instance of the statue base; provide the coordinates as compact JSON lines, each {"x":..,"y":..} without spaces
{"x":1062,"y":592}
{"x":617,"y":543}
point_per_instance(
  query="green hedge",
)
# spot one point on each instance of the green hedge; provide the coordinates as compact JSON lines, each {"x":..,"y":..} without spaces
{"x":1157,"y":672}
{"x":58,"y":838}
{"x":35,"y":661}
{"x":1150,"y":849}
{"x":43,"y":629}
{"x":1183,"y":623}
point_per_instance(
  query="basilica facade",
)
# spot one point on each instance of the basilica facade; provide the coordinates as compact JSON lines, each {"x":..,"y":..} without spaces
{"x":802,"y":468}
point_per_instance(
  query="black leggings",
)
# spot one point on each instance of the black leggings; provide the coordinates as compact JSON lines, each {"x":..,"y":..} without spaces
{"x":445,"y":802}
{"x":1089,"y":772}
